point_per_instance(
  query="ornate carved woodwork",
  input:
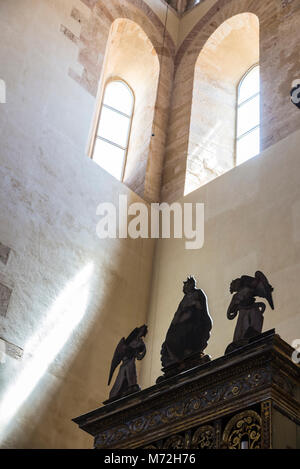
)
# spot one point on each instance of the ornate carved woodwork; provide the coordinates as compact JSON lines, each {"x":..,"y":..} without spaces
{"x":225,"y":403}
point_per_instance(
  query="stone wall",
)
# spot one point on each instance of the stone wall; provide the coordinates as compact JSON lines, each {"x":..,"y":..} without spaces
{"x":66,"y":297}
{"x":131,"y":57}
{"x":91,"y":42}
{"x":228,"y":54}
{"x":279,"y":59}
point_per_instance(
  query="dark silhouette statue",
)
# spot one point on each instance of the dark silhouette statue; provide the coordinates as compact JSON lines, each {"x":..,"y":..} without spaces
{"x":243,"y":303}
{"x":190,"y":329}
{"x":127,"y":351}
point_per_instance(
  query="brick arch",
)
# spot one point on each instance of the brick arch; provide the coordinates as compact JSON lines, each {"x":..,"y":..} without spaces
{"x":95,"y":32}
{"x":92,"y":44}
{"x":218,"y":14}
{"x":268,"y":13}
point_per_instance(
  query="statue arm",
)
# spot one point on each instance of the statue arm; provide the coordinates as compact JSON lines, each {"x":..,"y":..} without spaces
{"x":233,"y":308}
{"x":141,"y":352}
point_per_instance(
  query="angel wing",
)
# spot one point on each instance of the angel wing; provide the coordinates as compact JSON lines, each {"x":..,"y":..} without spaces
{"x":136,"y":333}
{"x":263,"y":288}
{"x":117,"y":358}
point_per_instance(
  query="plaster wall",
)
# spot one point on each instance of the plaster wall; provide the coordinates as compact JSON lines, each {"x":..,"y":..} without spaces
{"x":252,"y":223}
{"x":67,"y":285}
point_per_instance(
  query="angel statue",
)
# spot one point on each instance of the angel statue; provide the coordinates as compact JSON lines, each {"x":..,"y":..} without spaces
{"x":250,"y":320}
{"x":127,"y":351}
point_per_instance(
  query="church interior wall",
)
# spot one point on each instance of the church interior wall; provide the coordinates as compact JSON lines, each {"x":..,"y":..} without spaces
{"x":279,"y":56}
{"x":69,"y":297}
{"x":251,"y":223}
{"x":227,"y":55}
{"x":67,"y":286}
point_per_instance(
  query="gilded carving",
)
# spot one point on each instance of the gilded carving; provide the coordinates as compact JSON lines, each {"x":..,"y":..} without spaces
{"x":186,"y":407}
{"x":243,"y":427}
{"x":204,"y":438}
{"x":175,"y":442}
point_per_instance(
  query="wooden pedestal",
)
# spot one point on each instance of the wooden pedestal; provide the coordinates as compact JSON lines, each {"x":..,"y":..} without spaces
{"x":248,"y":398}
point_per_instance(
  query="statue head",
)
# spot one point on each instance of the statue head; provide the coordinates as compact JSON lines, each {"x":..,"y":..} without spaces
{"x":189,"y":285}
{"x":235,"y":285}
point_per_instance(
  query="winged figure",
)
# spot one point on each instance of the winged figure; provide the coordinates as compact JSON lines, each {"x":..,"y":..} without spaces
{"x":250,"y":320}
{"x":127,"y":351}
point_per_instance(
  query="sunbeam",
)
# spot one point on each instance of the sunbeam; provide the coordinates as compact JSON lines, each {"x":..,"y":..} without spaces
{"x":41,"y":350}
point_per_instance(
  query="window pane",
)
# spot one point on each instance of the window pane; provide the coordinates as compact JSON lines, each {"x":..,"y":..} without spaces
{"x":109,"y":157}
{"x":249,"y":85}
{"x":114,"y":127}
{"x":248,"y":116}
{"x":248,"y":146}
{"x":119,"y":96}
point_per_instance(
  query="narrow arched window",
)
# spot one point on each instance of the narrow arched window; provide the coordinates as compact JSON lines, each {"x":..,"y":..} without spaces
{"x":112,"y":136}
{"x":248,"y":116}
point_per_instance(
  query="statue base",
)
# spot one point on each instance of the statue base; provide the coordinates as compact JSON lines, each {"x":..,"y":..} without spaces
{"x":131,"y":390}
{"x":247,"y":340}
{"x":197,"y":359}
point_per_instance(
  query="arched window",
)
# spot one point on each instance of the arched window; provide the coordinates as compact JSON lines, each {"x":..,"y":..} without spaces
{"x":248,"y":118}
{"x":112,"y":136}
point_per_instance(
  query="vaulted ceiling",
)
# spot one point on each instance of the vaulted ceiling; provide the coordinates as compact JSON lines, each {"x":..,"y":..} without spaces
{"x":181,"y":6}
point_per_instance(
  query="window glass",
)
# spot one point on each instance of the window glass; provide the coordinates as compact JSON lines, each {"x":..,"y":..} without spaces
{"x":112,"y":137}
{"x":248,"y":116}
{"x":248,"y":146}
{"x":119,"y":96}
{"x":109,"y":157}
{"x":249,"y":85}
{"x":114,"y":127}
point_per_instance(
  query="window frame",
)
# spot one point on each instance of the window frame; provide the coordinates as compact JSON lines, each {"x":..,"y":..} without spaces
{"x":238,"y":106}
{"x":97,"y":123}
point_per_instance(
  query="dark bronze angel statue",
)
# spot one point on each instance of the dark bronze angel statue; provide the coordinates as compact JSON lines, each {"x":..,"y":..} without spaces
{"x":127,"y":351}
{"x":250,"y":320}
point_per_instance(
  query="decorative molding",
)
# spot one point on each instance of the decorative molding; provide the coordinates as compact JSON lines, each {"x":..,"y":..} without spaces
{"x":203,"y":437}
{"x":266,"y":415}
{"x":180,"y":409}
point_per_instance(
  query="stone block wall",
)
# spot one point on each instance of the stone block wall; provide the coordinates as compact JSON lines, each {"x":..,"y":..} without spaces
{"x":279,"y":59}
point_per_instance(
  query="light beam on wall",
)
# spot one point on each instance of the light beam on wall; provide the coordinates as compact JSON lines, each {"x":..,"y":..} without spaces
{"x":41,"y":350}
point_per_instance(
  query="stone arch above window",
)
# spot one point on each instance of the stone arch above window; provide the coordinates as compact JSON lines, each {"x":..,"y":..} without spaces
{"x":225,"y":57}
{"x":274,"y":41}
{"x":92,"y":42}
{"x":132,"y":60}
